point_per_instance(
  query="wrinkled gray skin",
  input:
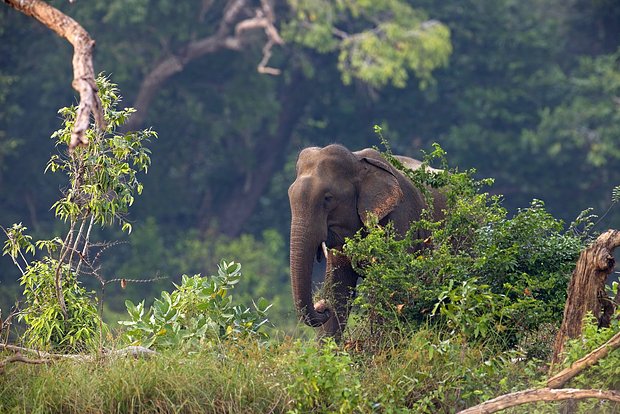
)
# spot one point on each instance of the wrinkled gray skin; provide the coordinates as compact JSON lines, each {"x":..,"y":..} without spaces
{"x":330,"y":200}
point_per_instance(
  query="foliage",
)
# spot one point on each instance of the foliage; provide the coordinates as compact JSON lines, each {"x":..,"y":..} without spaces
{"x":587,"y":121}
{"x":578,"y":136}
{"x":470,"y":308}
{"x":394,"y":38}
{"x":59,"y":313}
{"x":482,"y":275}
{"x":323,"y":379}
{"x":200,"y":310}
{"x":103,"y":173}
{"x":606,"y":373}
{"x":424,"y":373}
{"x":46,"y":326}
{"x":152,"y":253}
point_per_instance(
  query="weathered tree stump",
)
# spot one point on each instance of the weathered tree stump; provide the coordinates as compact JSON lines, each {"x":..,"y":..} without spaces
{"x":586,"y":291}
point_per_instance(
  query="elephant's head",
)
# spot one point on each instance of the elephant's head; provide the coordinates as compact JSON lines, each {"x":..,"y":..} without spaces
{"x":330,"y":199}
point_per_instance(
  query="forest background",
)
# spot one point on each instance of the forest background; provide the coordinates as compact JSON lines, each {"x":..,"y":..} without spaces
{"x":527,"y":92}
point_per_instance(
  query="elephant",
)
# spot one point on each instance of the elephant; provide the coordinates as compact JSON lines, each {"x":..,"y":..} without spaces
{"x":330,"y":200}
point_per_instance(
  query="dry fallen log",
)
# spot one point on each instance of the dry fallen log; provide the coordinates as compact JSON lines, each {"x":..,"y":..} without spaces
{"x":47,"y":357}
{"x":20,"y":358}
{"x":541,"y":394}
{"x":586,"y":291}
{"x":83,"y":72}
{"x":40,"y":354}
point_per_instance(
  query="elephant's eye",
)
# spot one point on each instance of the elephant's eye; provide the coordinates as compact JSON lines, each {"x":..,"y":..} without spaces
{"x":328,"y":199}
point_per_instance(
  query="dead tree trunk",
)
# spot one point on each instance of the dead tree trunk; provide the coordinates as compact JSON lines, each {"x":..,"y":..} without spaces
{"x":586,"y":291}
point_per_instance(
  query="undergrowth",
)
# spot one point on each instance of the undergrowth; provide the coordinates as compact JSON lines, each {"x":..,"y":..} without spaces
{"x":425,"y":373}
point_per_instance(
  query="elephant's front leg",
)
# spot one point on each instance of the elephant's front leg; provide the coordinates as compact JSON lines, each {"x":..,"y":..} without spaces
{"x":339,"y":290}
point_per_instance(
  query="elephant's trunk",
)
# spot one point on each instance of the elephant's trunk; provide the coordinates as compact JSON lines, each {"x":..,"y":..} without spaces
{"x":303,"y":251}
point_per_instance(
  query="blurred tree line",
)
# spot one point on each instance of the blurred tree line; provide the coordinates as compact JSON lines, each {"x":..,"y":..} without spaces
{"x":527,"y":92}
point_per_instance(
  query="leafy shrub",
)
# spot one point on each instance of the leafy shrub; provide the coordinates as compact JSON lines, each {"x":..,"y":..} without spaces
{"x":46,"y":326}
{"x":606,"y":373}
{"x":470,"y":308}
{"x":482,"y":274}
{"x":102,"y":175}
{"x":200,"y":310}
{"x":323,"y":379}
{"x":151,"y":252}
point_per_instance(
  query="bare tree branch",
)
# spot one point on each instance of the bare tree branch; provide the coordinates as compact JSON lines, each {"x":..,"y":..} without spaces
{"x":229,"y":35}
{"x":83,"y":72}
{"x":535,"y":395}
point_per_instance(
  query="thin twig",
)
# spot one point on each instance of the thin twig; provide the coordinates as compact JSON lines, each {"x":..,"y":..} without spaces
{"x":85,"y":247}
{"x":77,"y":242}
{"x":18,"y":266}
{"x":120,"y":279}
{"x":58,"y":278}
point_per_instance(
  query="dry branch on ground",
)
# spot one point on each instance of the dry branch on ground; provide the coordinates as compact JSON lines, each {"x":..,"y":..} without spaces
{"x":536,"y":395}
{"x":48,"y":357}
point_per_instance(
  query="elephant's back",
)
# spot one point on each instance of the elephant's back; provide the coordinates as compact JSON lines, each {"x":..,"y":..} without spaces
{"x":413,"y":163}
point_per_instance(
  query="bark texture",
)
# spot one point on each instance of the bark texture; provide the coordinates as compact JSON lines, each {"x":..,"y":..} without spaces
{"x":83,"y":72}
{"x":540,"y":394}
{"x":586,"y":291}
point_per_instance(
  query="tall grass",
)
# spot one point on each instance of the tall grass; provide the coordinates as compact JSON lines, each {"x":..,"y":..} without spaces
{"x":174,"y":382}
{"x":419,"y":374}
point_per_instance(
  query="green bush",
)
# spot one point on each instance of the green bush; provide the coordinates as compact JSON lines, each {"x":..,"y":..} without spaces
{"x":200,"y":310}
{"x":150,"y":253}
{"x":606,"y":373}
{"x":102,"y":180}
{"x":46,"y":326}
{"x":323,"y":379}
{"x":482,"y":274}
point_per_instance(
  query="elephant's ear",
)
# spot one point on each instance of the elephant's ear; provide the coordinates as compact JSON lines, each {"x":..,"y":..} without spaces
{"x":379,"y":191}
